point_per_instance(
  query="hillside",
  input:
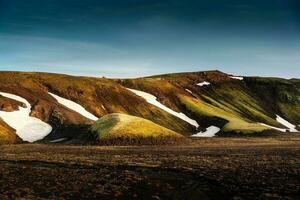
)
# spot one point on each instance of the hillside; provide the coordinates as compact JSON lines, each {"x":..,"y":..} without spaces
{"x":7,"y":134}
{"x":121,"y":127}
{"x":186,"y":103}
{"x":236,"y":104}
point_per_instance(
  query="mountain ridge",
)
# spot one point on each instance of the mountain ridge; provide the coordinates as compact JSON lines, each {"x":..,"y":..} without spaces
{"x":236,"y":104}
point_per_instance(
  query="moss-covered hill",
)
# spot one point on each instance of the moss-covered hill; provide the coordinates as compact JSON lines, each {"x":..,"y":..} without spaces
{"x":236,"y":106}
{"x":122,"y":127}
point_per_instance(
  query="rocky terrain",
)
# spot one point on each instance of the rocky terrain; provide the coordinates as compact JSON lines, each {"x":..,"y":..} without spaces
{"x":212,"y":168}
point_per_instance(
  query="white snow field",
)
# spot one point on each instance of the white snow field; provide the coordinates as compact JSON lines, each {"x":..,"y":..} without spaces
{"x":74,"y":106}
{"x":153,"y":100}
{"x":291,"y":127}
{"x":203,"y":83}
{"x":28,"y":128}
{"x":210,"y":132}
{"x":237,"y":77}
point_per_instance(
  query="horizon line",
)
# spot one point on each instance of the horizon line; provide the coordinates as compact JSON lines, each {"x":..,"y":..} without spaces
{"x":134,"y":77}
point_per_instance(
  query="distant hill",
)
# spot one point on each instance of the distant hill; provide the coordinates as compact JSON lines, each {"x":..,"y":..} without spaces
{"x":185,"y":103}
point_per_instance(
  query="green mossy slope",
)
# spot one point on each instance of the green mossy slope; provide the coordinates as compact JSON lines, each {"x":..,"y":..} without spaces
{"x":237,"y":106}
{"x":118,"y":125}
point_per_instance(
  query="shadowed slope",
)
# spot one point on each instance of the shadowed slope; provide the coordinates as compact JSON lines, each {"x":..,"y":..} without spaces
{"x":235,"y":105}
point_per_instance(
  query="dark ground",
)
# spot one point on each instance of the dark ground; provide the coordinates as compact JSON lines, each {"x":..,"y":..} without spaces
{"x":215,"y":168}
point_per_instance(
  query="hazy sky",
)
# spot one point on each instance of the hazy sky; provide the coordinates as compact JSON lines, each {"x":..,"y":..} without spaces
{"x":129,"y":38}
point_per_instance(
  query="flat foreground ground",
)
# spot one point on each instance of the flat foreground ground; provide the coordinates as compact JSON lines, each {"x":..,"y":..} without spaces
{"x":215,"y":168}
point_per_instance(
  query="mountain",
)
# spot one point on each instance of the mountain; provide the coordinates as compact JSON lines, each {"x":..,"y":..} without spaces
{"x":46,"y":107}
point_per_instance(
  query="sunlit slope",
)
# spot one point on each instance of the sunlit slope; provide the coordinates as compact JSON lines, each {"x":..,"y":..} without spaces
{"x":126,"y":126}
{"x":7,"y":134}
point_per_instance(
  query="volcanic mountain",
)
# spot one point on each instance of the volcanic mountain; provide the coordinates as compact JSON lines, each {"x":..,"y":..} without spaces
{"x":52,"y":108}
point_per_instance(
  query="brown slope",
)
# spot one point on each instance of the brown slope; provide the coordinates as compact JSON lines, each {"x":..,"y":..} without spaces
{"x":99,"y":96}
{"x":7,"y":134}
{"x":44,"y":106}
{"x":103,"y":96}
{"x":9,"y":105}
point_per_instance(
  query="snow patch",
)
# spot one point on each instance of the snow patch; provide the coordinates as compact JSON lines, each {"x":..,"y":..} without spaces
{"x":58,"y":140}
{"x":273,"y":127}
{"x":74,"y":106}
{"x":28,"y":128}
{"x":237,"y":77}
{"x":210,"y":132}
{"x":203,"y":83}
{"x":153,"y":100}
{"x":189,"y":91}
{"x":292,"y":128}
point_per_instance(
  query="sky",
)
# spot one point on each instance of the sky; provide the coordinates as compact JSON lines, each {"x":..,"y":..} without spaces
{"x":132,"y":38}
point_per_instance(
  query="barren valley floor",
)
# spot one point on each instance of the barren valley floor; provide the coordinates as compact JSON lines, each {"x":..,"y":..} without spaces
{"x":214,"y":168}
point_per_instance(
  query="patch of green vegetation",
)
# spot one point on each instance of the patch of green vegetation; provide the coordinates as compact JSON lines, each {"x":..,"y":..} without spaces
{"x":121,"y":125}
{"x":235,"y":122}
{"x":232,"y":100}
{"x":282,"y":95}
{"x":105,"y":124}
{"x":225,"y":98}
{"x":236,"y":99}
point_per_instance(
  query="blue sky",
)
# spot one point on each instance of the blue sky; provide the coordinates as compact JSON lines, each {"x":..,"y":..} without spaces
{"x":119,"y":38}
